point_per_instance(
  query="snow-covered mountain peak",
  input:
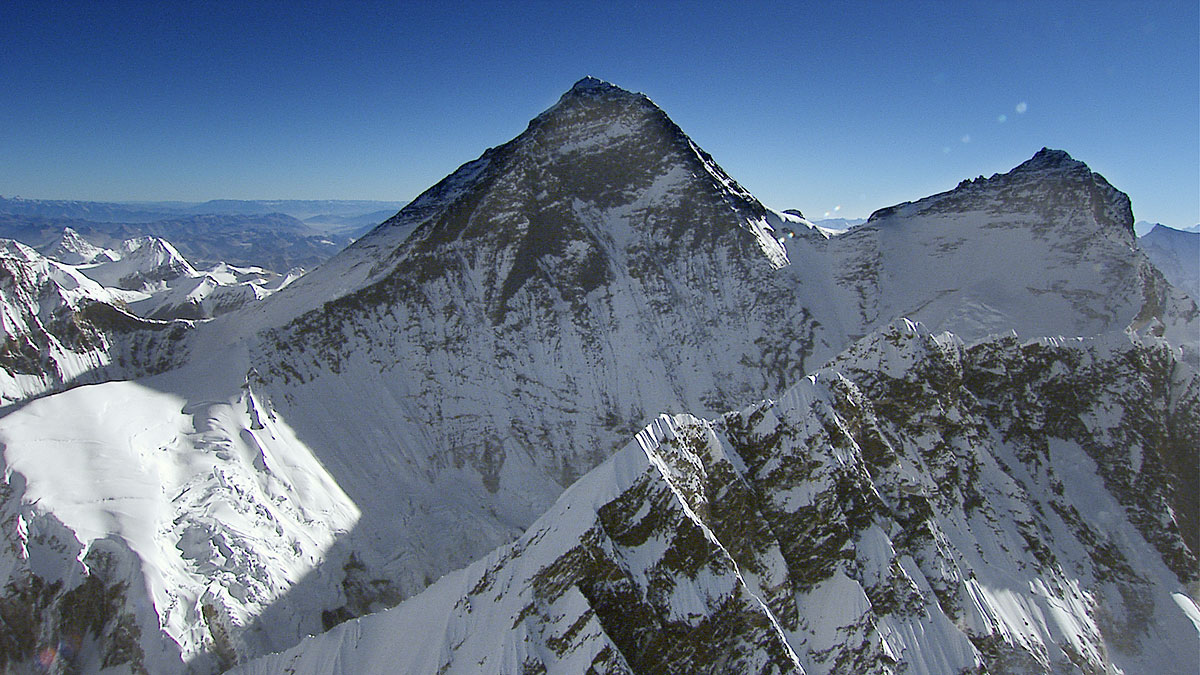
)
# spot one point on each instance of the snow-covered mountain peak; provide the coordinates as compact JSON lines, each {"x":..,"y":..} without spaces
{"x":145,"y":263}
{"x":1177,"y":254}
{"x":1069,"y":195}
{"x":594,"y":88}
{"x":1160,"y":231}
{"x":73,"y":249}
{"x":1048,"y":159}
{"x":593,"y":111}
{"x":10,"y":248}
{"x":155,"y":248}
{"x":601,"y":173}
{"x":589,"y":83}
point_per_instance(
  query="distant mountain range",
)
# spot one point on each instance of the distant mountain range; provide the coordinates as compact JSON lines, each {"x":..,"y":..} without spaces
{"x":309,"y":210}
{"x":839,"y":224}
{"x":1143,"y":227}
{"x":274,"y":234}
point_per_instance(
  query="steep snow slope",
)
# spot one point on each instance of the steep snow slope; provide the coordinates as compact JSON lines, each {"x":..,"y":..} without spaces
{"x":155,"y":521}
{"x":909,"y":509}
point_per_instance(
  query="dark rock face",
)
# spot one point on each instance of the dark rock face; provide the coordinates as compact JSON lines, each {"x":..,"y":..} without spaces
{"x":601,"y":177}
{"x":81,"y":618}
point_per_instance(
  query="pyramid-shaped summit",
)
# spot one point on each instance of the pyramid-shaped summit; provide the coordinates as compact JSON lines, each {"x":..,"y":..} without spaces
{"x":601,"y":174}
{"x":1051,"y":159}
{"x":520,"y":319}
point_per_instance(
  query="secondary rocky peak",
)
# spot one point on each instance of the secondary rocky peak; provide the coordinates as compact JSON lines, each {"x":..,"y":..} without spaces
{"x":1055,"y":178}
{"x":1053,"y":188}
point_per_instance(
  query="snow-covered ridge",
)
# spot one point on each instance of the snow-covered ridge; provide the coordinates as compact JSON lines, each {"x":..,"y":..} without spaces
{"x":841,"y":529}
{"x":1049,"y":178}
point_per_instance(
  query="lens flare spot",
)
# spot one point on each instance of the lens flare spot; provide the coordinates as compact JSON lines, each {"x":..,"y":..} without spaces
{"x":1022,"y":107}
{"x":966,"y":138}
{"x":1002,"y":119}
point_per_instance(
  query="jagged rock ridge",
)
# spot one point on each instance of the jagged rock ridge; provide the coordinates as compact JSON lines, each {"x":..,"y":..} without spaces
{"x":911,"y":508}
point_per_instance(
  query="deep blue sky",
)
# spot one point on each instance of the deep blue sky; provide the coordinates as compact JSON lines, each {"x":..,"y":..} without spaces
{"x":820,"y":105}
